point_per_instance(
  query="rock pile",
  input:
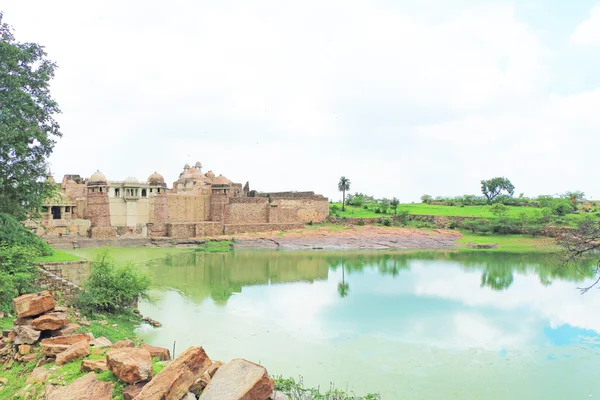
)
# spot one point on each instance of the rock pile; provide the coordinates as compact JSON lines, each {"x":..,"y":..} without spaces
{"x":190,"y":376}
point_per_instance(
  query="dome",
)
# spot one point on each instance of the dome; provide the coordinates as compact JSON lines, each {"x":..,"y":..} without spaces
{"x":131,"y":180}
{"x":210,"y":175}
{"x":186,"y":166}
{"x":97,"y":177}
{"x":71,"y":182}
{"x":186,"y":175}
{"x":198,"y":165}
{"x":198,"y":176}
{"x":156,"y":179}
{"x":192,"y":170}
{"x":221,"y":180}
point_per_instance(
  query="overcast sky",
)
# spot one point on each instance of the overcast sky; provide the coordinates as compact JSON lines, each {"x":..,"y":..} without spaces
{"x":402,"y":97}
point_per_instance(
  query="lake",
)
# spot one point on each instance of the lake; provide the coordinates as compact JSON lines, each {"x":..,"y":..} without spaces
{"x":427,"y":325}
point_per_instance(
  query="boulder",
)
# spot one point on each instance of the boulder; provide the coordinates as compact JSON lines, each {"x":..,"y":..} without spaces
{"x":200,"y":383}
{"x":32,"y":304}
{"x":25,"y":335}
{"x":75,"y":352}
{"x":100,"y":342}
{"x":67,"y":330}
{"x":23,"y":321}
{"x":158,"y":352}
{"x":239,"y":379}
{"x":56,"y":345}
{"x":122,"y":343}
{"x":189,"y":396}
{"x":212,"y":370}
{"x":130,"y":365}
{"x":131,"y":391}
{"x":24,"y":349}
{"x":38,"y":375}
{"x":173,"y":382}
{"x":279,"y":396}
{"x":88,"y":387}
{"x":50,"y":322}
{"x":93,"y":366}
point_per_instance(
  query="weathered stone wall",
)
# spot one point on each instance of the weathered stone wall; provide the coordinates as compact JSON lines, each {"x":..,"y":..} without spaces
{"x":231,"y":229}
{"x":187,"y":207}
{"x":218,"y":204}
{"x":182,"y":230}
{"x":64,"y":279}
{"x":103,"y":232}
{"x":61,"y":227}
{"x":249,"y":210}
{"x":298,"y":209}
{"x":159,"y":211}
{"x":98,"y":209}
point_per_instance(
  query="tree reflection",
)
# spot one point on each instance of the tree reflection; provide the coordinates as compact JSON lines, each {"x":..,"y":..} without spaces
{"x":343,"y":287}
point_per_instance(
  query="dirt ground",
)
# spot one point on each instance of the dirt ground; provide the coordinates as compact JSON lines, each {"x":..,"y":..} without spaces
{"x":348,"y":237}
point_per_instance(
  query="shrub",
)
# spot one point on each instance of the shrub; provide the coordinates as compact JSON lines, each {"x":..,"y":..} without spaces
{"x":386,"y":221}
{"x":360,"y":222}
{"x":403,"y":217}
{"x":505,"y":228}
{"x":562,"y":208}
{"x":112,"y":289}
{"x":427,"y":199}
{"x":13,"y":233}
{"x":452,"y":224}
{"x":18,"y":273}
{"x":334,"y":209}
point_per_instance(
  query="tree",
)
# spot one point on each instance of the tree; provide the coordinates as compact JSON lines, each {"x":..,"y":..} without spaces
{"x":495,"y":186}
{"x":580,"y":243}
{"x":499,"y":210}
{"x":394,"y":203}
{"x":27,"y":126}
{"x":344,"y":186}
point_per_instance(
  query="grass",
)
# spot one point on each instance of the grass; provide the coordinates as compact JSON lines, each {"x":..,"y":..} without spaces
{"x":58,"y":256}
{"x":215,"y":246}
{"x":508,"y":243}
{"x":297,"y":391}
{"x":453,"y":211}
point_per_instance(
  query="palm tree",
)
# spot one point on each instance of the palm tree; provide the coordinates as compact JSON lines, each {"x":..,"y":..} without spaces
{"x":343,"y":186}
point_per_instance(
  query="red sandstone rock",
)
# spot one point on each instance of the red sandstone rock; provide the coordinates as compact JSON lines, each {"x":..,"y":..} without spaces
{"x":173,"y":382}
{"x":239,"y":379}
{"x":100,"y":342}
{"x":75,"y":352}
{"x":131,"y":391}
{"x":88,"y":387}
{"x":23,"y":321}
{"x":24,"y":349}
{"x":67,"y":330}
{"x":122,"y":343}
{"x":159,"y":352}
{"x":25,"y":334}
{"x":56,"y":345}
{"x":212,"y":370}
{"x":38,"y":375}
{"x":50,"y":322}
{"x":93,"y":366}
{"x":29,"y":305}
{"x":130,"y":365}
{"x":200,"y":383}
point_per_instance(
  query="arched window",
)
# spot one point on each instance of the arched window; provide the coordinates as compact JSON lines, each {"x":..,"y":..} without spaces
{"x":143,"y":192}
{"x":117,"y":192}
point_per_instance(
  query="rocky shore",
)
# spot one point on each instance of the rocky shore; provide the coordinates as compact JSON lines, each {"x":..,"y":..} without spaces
{"x":44,"y":334}
{"x":351,"y":237}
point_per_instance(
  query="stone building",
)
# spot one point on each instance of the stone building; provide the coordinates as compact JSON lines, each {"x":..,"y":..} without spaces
{"x":197,"y":204}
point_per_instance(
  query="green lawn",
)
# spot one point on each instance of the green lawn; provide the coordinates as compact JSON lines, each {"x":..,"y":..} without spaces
{"x":453,"y":211}
{"x":508,"y":244}
{"x":58,"y":256}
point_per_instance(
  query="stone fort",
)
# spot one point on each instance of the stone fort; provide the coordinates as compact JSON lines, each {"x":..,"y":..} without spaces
{"x":198,"y":204}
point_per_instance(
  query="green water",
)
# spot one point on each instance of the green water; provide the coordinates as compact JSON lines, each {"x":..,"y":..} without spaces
{"x":409,"y":326}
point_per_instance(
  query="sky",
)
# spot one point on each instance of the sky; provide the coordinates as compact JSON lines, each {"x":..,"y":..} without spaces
{"x":404,"y":98}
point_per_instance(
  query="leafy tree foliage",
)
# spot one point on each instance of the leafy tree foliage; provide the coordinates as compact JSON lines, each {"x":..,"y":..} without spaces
{"x":491,"y":188}
{"x":111,"y":288}
{"x":394,"y":204}
{"x":344,"y":186}
{"x":27,"y":126}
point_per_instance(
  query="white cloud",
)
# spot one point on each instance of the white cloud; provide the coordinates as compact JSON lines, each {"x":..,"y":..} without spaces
{"x":404,"y":100}
{"x":588,"y":32}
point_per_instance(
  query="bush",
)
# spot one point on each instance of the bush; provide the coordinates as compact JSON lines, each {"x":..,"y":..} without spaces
{"x":13,"y":233}
{"x":112,"y":289}
{"x":334,"y":209}
{"x":427,"y":199}
{"x":476,"y":225}
{"x":505,"y":228}
{"x":562,"y":208}
{"x":403,"y":217}
{"x":452,"y":224}
{"x":18,"y":273}
{"x":386,"y":221}
{"x":360,"y":222}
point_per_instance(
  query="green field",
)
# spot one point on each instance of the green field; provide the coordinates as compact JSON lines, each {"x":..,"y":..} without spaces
{"x":453,"y":211}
